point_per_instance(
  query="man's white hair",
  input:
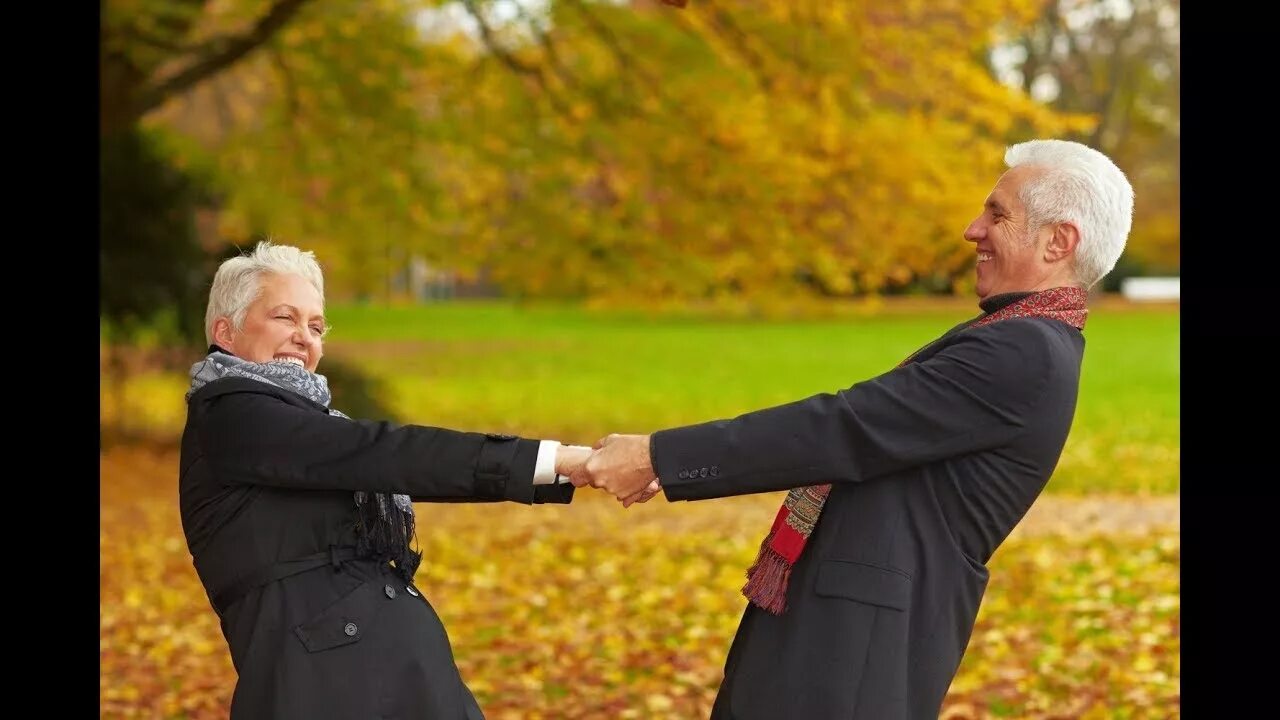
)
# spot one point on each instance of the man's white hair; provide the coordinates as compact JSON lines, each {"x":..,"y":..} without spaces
{"x":1082,"y":186}
{"x":238,"y":281}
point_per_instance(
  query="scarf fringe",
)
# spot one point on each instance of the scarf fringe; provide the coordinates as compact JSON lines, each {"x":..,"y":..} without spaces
{"x":384,"y":531}
{"x":767,"y":580}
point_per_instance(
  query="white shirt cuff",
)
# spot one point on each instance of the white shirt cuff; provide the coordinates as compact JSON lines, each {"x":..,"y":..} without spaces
{"x":544,"y":470}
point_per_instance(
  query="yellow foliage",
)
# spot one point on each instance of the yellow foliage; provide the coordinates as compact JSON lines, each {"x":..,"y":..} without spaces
{"x":645,"y":603}
{"x":730,"y":149}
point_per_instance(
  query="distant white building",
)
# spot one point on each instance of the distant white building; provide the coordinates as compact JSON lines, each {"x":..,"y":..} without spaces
{"x":426,"y":282}
{"x":1151,"y":289}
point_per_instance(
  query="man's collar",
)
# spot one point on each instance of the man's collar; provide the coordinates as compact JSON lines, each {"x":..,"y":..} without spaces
{"x":993,"y":303}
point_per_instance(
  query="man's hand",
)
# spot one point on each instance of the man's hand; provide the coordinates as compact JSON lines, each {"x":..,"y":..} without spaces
{"x":620,"y":466}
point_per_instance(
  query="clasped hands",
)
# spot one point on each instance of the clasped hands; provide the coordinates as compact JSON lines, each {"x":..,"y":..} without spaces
{"x":617,"y":464}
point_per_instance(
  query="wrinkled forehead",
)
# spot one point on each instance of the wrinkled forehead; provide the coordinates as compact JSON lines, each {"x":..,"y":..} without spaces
{"x":1008,"y":190}
{"x":289,"y":289}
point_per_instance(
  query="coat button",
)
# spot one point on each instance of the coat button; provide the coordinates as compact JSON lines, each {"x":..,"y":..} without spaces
{"x":702,"y":472}
{"x":715,"y":470}
{"x":391,"y":592}
{"x":350,"y":629}
{"x":411,"y":591}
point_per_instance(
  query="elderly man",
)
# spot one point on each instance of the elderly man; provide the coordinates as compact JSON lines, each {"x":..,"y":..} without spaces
{"x":865,"y":591}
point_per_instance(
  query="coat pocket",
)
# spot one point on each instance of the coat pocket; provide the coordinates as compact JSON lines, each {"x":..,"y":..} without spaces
{"x":861,"y":582}
{"x":342,"y":623}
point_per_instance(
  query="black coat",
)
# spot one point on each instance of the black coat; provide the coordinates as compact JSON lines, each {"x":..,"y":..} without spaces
{"x":932,"y":465}
{"x":267,"y":478}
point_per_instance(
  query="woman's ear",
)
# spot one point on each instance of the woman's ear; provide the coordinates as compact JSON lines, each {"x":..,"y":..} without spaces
{"x":223,"y":334}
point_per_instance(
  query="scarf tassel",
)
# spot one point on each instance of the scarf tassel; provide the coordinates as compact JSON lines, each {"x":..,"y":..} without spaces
{"x":384,"y":530}
{"x":767,"y":580}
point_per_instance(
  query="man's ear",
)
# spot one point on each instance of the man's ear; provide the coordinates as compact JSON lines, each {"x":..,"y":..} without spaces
{"x":1063,"y":242}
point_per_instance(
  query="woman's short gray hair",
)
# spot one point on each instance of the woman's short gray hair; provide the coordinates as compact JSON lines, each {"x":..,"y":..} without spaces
{"x":239,"y":280}
{"x":1082,"y":186}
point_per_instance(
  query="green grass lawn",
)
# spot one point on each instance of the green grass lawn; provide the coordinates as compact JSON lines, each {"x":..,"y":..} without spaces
{"x":575,"y":375}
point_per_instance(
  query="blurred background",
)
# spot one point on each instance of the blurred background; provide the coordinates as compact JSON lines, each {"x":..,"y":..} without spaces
{"x":563,"y":218}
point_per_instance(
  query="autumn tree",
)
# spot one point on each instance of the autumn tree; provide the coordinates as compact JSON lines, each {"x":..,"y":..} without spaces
{"x":621,"y":151}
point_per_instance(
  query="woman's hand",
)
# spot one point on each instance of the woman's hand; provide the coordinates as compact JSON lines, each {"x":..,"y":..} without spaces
{"x":571,"y":458}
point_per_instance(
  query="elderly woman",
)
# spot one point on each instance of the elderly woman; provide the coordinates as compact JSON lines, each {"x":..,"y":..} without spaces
{"x":300,"y":520}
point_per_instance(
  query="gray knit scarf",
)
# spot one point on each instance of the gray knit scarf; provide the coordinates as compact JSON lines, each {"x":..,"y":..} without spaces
{"x":384,"y":523}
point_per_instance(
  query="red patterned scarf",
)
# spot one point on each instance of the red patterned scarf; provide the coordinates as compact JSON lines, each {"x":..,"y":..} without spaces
{"x":767,"y":579}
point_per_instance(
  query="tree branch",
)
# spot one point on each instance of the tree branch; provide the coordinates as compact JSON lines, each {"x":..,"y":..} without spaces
{"x":628,"y":64}
{"x":1106,"y":106}
{"x":217,"y":55}
{"x":548,"y":47}
{"x":129,"y":32}
{"x":292,"y":105}
{"x":516,"y":65}
{"x":728,"y":31}
{"x":486,"y":36}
